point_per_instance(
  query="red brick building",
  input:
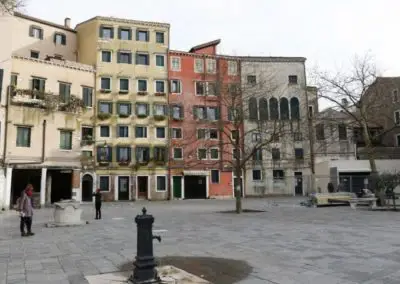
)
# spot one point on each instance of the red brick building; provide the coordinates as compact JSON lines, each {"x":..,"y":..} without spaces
{"x":200,"y":151}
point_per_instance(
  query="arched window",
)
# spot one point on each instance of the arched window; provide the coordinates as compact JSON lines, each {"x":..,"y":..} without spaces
{"x":284,"y":108}
{"x":253,"y":109}
{"x":294,"y":108}
{"x":273,"y":108}
{"x":263,"y":109}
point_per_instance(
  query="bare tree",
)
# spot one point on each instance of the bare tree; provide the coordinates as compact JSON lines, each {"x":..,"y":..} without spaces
{"x":9,"y":6}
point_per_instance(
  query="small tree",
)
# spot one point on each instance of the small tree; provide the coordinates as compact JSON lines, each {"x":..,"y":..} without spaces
{"x":9,"y":6}
{"x":387,"y":182}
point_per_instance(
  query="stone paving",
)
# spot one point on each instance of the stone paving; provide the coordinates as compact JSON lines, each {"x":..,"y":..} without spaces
{"x":285,"y":245}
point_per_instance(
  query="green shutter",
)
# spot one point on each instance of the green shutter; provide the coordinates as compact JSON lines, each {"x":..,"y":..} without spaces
{"x":112,"y":32}
{"x":101,"y":31}
{"x":130,"y":34}
{"x":119,"y":33}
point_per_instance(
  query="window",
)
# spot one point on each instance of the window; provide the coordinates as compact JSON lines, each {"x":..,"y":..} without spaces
{"x":124,"y":85}
{"x":38,"y":84}
{"x":65,"y":140}
{"x":320,"y":131}
{"x":125,"y":34}
{"x":199,"y":113}
{"x":142,"y":85}
{"x":214,"y":176}
{"x":299,"y":153}
{"x":178,"y":154}
{"x":175,"y":63}
{"x":276,"y":154}
{"x":104,"y":154}
{"x":142,"y":35}
{"x":23,"y":136}
{"x":214,"y":153}
{"x":106,"y":32}
{"x":87,"y":134}
{"x":258,"y":155}
{"x":396,"y":97}
{"x":275,"y":138}
{"x":200,"y":88}
{"x":292,"y":79}
{"x":213,"y":133}
{"x":123,"y":154}
{"x":160,"y":132}
{"x":106,"y":56}
{"x":257,"y":175}
{"x":297,"y":136}
{"x":105,"y":83}
{"x":124,"y":57}
{"x":213,"y":113}
{"x":141,"y":132}
{"x":251,"y":79}
{"x":142,"y":154}
{"x":236,"y":154}
{"x":13,"y":80}
{"x":176,"y":86}
{"x":177,"y":112}
{"x":160,"y":87}
{"x":87,"y":95}
{"x":104,"y":183}
{"x":310,"y":111}
{"x":278,"y":175}
{"x":397,"y":117}
{"x":160,"y":154}
{"x":87,"y":154}
{"x":161,"y":183}
{"x":201,"y":154}
{"x":35,"y":32}
{"x":176,"y":133}
{"x":142,"y":109}
{"x":232,"y":68}
{"x":211,"y":66}
{"x":34,"y":54}
{"x":234,"y":134}
{"x":342,"y":132}
{"x":160,"y":110}
{"x":160,"y":60}
{"x":60,"y":39}
{"x":398,"y":140}
{"x":201,"y":133}
{"x":65,"y":92}
{"x":105,"y":107}
{"x":104,"y":131}
{"x":211,"y":88}
{"x":234,"y":114}
{"x":198,"y":65}
{"x":160,"y":37}
{"x":122,"y":131}
{"x":253,"y":109}
{"x":142,"y":59}
{"x":256,"y":137}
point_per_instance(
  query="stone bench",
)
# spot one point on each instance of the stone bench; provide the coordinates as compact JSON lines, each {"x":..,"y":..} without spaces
{"x":370,"y":201}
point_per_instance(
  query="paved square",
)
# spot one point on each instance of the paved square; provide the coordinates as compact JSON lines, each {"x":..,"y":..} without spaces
{"x":287,"y":244}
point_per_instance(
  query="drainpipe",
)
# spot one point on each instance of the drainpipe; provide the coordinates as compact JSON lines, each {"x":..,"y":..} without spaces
{"x":170,"y":195}
{"x":5,"y":127}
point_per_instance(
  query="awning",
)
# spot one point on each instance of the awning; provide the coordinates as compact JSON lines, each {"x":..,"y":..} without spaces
{"x":195,"y":173}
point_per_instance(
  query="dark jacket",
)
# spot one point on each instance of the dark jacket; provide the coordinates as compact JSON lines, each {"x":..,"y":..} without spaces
{"x":97,"y":197}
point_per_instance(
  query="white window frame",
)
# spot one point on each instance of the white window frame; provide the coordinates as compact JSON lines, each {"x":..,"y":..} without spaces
{"x":155,"y":60}
{"x":172,"y":65}
{"x":181,"y":132}
{"x":155,"y":132}
{"x":109,"y":131}
{"x":394,"y":114}
{"x":137,"y":84}
{"x":219,"y":176}
{"x":111,"y":82}
{"x":180,"y":86}
{"x":230,"y":68}
{"x":209,"y":153}
{"x":208,"y":133}
{"x":109,"y":182}
{"x":166,"y":184}
{"x":211,"y":62}
{"x":165,"y":86}
{"x":198,"y":157}
{"x":119,"y":84}
{"x":72,"y":140}
{"x":173,"y":154}
{"x":195,"y":65}
{"x":252,"y":175}
{"x":195,"y":89}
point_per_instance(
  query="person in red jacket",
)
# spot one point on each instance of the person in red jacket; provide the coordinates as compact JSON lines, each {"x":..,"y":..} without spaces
{"x":26,"y":211}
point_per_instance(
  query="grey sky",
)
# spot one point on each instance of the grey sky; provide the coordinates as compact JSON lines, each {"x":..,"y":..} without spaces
{"x":328,"y":33}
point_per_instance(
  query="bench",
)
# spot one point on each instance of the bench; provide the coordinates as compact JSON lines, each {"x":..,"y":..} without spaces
{"x":370,"y":201}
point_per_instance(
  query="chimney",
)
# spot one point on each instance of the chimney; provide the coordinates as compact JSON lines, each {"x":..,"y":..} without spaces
{"x":67,"y":22}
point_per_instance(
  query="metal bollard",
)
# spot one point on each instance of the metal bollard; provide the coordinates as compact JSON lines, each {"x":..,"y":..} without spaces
{"x":145,"y":265}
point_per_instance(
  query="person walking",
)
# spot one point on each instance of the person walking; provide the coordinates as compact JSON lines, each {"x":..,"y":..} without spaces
{"x":97,"y":203}
{"x":26,"y":211}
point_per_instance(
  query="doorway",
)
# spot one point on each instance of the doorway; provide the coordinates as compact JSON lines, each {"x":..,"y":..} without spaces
{"x":298,"y":181}
{"x":236,"y":182}
{"x":177,"y":186}
{"x":142,"y":186}
{"x":87,"y":188}
{"x":61,"y":185}
{"x":21,"y":178}
{"x":123,"y":188}
{"x":195,"y":187}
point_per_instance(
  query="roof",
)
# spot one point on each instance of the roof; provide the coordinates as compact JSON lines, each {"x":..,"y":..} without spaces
{"x":43,"y":22}
{"x":272,"y":59}
{"x":125,"y":21}
{"x":205,"y":45}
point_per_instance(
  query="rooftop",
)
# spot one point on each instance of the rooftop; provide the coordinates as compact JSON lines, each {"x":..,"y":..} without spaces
{"x":43,"y":22}
{"x":125,"y":21}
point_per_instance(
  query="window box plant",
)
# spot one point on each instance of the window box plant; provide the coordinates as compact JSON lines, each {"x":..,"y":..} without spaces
{"x":160,"y":94}
{"x":123,"y":92}
{"x":105,"y":91}
{"x":123,"y":115}
{"x":103,"y":115}
{"x":159,"y":117}
{"x":142,"y":93}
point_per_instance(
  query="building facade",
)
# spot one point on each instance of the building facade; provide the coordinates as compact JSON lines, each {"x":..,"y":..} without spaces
{"x":130,"y":129}
{"x":200,"y":152}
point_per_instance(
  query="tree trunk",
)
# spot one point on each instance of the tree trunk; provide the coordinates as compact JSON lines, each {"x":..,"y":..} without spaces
{"x":238,"y":187}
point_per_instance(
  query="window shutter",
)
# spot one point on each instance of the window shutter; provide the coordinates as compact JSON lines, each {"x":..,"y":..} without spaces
{"x":101,"y":31}
{"x":68,"y":87}
{"x":195,"y":112}
{"x":42,"y":85}
{"x":98,"y":153}
{"x":147,"y":109}
{"x":119,"y":33}
{"x":217,"y":113}
{"x":118,"y":154}
{"x":112,"y":32}
{"x":118,"y":57}
{"x":31,"y":31}
{"x":110,"y":149}
{"x":130,"y":35}
{"x":130,"y":58}
{"x":136,"y":58}
{"x":64,"y":40}
{"x":1,"y":81}
{"x":55,"y":38}
{"x":129,"y":154}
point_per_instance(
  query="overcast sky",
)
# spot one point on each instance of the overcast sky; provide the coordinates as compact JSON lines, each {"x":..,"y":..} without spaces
{"x":327,"y":33}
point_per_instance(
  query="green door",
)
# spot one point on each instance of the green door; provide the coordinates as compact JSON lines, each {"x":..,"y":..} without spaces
{"x":177,"y":185}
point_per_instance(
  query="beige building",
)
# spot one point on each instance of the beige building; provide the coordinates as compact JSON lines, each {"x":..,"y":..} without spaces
{"x":131,"y":123}
{"x":50,"y":99}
